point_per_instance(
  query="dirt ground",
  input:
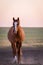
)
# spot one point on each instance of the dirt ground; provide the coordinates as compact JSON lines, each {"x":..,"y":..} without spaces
{"x":30,"y":55}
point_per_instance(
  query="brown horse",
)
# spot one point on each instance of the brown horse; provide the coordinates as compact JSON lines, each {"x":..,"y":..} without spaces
{"x":16,"y":36}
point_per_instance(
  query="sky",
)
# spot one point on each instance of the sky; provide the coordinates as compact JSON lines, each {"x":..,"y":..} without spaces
{"x":30,"y":12}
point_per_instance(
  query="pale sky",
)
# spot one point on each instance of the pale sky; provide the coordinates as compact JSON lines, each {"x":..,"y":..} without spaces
{"x":30,"y":12}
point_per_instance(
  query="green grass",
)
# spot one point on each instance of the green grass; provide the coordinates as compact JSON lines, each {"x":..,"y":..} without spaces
{"x":32,"y":35}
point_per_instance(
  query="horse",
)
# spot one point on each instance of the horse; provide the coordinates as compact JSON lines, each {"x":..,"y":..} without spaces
{"x":16,"y":35}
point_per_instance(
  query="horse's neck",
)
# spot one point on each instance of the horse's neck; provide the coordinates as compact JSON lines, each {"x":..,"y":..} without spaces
{"x":19,"y":27}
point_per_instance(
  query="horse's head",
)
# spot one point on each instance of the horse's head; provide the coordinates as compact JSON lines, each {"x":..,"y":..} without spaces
{"x":15,"y":24}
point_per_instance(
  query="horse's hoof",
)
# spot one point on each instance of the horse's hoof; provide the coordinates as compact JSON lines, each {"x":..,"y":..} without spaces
{"x":14,"y":60}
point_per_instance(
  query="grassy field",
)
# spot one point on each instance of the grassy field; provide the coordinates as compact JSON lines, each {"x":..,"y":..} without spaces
{"x":33,"y":36}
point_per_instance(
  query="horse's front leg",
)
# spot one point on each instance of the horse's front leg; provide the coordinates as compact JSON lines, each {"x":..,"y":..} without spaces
{"x":19,"y":52}
{"x":14,"y":52}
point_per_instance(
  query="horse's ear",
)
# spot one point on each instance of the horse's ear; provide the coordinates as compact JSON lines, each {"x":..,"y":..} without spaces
{"x":18,"y":18}
{"x":13,"y":19}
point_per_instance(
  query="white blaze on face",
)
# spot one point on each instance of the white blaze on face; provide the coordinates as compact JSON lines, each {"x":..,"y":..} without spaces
{"x":15,"y":23}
